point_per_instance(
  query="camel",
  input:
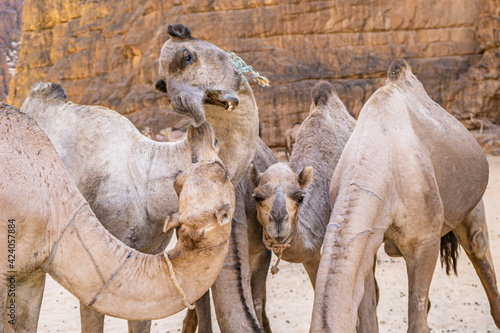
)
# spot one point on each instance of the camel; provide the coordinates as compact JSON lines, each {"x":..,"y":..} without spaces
{"x":292,"y":205}
{"x":409,"y":175}
{"x":290,"y":137}
{"x":53,"y":230}
{"x":128,"y":179}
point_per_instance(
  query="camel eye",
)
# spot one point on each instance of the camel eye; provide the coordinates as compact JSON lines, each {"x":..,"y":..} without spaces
{"x":300,"y":199}
{"x":188,"y":57}
{"x":258,"y":198}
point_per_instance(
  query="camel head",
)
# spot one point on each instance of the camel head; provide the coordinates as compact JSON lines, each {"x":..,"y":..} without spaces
{"x":206,"y":195}
{"x":195,"y":73}
{"x":279,"y":192}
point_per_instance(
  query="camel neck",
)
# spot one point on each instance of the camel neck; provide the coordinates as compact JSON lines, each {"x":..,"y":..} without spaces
{"x":117,"y":280}
{"x":237,"y":131}
{"x":335,"y":126}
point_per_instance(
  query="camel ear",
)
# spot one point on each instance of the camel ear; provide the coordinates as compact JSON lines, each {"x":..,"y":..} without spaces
{"x":172,"y":221}
{"x":254,"y":175}
{"x":223,"y":214}
{"x":305,"y":177}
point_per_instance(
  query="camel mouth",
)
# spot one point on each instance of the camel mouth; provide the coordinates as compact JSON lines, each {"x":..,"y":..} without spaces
{"x":226,"y":99}
{"x":272,"y":242}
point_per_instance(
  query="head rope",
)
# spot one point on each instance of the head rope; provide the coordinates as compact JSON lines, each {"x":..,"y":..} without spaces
{"x":176,"y":283}
{"x":240,"y":65}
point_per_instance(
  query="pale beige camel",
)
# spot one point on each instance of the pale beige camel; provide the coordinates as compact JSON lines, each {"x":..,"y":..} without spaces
{"x":202,"y":82}
{"x":409,"y":174}
{"x":290,"y":138}
{"x":128,"y":179}
{"x":293,"y":213}
{"x":53,"y":230}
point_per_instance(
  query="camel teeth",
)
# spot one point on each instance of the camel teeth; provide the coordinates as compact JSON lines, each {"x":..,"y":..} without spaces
{"x":230,"y":107}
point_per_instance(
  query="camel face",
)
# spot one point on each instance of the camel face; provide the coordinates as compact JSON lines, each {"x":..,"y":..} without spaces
{"x":206,"y":203}
{"x":279,"y":192}
{"x":195,"y":73}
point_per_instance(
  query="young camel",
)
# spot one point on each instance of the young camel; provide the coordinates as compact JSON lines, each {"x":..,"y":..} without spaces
{"x":128,"y":179}
{"x":292,"y":205}
{"x":409,"y":174}
{"x":53,"y":230}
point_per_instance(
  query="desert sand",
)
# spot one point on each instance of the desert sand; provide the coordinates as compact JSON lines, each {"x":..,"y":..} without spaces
{"x":459,"y":304}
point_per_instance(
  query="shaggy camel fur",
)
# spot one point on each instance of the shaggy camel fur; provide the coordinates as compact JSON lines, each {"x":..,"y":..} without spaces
{"x":290,"y":138}
{"x":54,"y":231}
{"x":295,"y":213}
{"x":409,"y":174}
{"x":128,"y":179}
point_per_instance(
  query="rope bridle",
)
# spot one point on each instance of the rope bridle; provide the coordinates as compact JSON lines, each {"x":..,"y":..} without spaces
{"x":277,"y":248}
{"x":176,"y":283}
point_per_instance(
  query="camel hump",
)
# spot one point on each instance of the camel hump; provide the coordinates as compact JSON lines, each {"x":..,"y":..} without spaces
{"x":49,"y":92}
{"x":321,"y":92}
{"x":397,"y":69}
{"x":179,"y":31}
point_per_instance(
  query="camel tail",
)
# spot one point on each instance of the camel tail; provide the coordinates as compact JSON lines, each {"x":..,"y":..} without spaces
{"x":449,"y":252}
{"x":48,"y":92}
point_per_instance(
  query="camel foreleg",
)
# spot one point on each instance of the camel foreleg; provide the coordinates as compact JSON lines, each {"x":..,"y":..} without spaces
{"x":26,"y":296}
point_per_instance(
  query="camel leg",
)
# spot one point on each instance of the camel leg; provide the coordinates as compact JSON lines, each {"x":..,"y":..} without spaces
{"x":311,"y":267}
{"x":27,"y":299}
{"x":139,"y":326}
{"x":367,"y":311}
{"x":190,"y":322}
{"x":91,"y":321}
{"x":421,"y":256}
{"x":203,"y":313}
{"x":472,"y":234}
{"x":260,"y":260}
{"x":200,"y":318}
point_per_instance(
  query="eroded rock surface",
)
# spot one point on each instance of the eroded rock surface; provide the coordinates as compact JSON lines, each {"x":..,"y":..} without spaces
{"x":105,"y":52}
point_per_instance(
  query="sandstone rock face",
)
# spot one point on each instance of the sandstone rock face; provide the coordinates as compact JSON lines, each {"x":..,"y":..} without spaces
{"x":10,"y":34}
{"x":106,"y":52}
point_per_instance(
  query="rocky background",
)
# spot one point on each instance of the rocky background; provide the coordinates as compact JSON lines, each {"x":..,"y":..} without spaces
{"x":10,"y":35}
{"x":105,"y":52}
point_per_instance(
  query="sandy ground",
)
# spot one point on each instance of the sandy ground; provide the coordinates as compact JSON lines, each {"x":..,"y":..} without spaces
{"x":459,"y":304}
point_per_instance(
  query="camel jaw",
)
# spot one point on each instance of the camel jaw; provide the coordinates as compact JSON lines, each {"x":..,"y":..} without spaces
{"x":226,"y":99}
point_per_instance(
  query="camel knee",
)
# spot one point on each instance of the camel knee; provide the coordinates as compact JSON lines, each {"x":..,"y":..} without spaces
{"x":479,"y":243}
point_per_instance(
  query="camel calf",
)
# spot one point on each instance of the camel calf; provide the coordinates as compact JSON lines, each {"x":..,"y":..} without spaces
{"x":48,"y":227}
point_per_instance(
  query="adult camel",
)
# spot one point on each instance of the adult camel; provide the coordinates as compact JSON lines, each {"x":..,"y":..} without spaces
{"x":409,"y":175}
{"x":128,"y":179}
{"x":50,"y":228}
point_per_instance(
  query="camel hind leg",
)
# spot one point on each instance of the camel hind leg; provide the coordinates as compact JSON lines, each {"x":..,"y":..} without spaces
{"x":139,"y":326}
{"x":472,"y":234}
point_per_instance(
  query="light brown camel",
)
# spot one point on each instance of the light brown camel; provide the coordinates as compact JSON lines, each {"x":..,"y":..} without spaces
{"x":290,"y":138}
{"x":128,"y":179}
{"x":409,"y":174}
{"x":200,"y":80}
{"x":293,"y":213}
{"x":51,"y":229}
{"x":173,"y":134}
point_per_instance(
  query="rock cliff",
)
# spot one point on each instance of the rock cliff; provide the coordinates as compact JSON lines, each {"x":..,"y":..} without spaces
{"x":10,"y":34}
{"x":105,"y":52}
